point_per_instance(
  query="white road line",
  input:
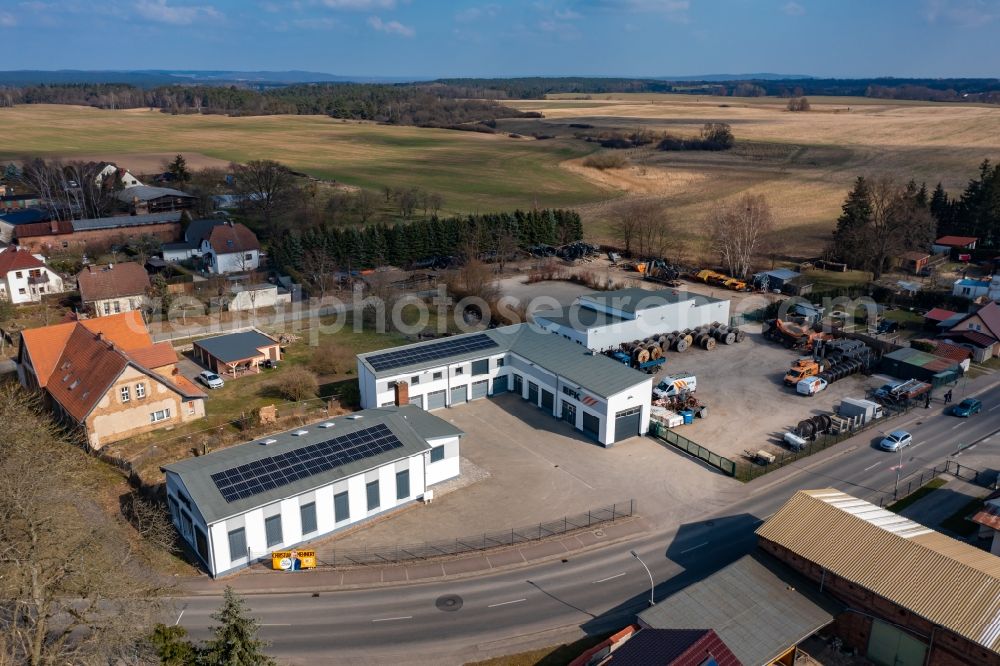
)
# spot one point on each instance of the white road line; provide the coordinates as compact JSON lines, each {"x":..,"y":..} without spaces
{"x":392,"y":619}
{"x":694,"y":548}
{"x":505,"y":603}
{"x":957,"y":426}
{"x":604,"y":580}
{"x":994,"y":408}
{"x":873,"y":466}
{"x":179,"y":617}
{"x":275,"y":625}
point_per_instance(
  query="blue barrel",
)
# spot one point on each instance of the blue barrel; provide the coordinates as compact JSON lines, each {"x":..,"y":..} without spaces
{"x":688,"y":416}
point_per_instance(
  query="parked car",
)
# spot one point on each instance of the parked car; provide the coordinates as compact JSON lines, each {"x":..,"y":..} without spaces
{"x":211,"y":380}
{"x":966,"y":408}
{"x":888,"y":326}
{"x":896,"y":440}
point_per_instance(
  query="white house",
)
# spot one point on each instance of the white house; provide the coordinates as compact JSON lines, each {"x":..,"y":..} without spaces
{"x":971,"y":288}
{"x":128,"y":180}
{"x":606,"y":400}
{"x":604,"y":320}
{"x":24,"y":277}
{"x":221,"y":246}
{"x":236,"y":505}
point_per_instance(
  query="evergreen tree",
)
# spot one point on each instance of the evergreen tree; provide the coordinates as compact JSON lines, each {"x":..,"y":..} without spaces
{"x":941,"y":209}
{"x":235,"y":642}
{"x":854,"y":218}
{"x":179,"y":170}
{"x":172,"y":646}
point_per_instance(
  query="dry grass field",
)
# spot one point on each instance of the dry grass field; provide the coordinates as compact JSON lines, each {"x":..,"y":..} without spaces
{"x":803,"y":162}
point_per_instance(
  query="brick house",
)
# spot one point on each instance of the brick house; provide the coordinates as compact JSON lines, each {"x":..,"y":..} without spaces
{"x":81,"y":235}
{"x":912,"y":595}
{"x":24,"y":278}
{"x":114,"y":288}
{"x":107,"y":376}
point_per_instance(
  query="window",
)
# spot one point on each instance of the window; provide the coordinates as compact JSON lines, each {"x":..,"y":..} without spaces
{"x":107,"y":308}
{"x":403,"y":484}
{"x":21,"y":291}
{"x":341,"y":508}
{"x":140,"y":390}
{"x":237,"y":544}
{"x":372,"y":491}
{"x":437,"y":454}
{"x":159,"y":415}
{"x":272,"y":530}
{"x":248,"y":256}
{"x":499,"y":362}
{"x":481,"y":367}
{"x":118,"y":307}
{"x":184,"y":499}
{"x":34,"y":272}
{"x":19,"y":275}
{"x":125,"y":394}
{"x":437,"y":375}
{"x":414,"y":380}
{"x":308,"y":513}
{"x":459,"y":370}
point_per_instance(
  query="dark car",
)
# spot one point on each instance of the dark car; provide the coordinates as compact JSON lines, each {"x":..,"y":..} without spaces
{"x":967,"y":408}
{"x":888,"y":326}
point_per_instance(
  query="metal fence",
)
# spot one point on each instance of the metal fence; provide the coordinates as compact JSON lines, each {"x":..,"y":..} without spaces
{"x":337,"y":557}
{"x":665,"y":434}
{"x":914,"y":481}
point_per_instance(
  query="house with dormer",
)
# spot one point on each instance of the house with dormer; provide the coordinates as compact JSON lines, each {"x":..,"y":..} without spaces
{"x":218,"y":246}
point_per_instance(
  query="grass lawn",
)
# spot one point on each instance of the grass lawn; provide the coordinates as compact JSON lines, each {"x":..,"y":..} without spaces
{"x":916,"y":495}
{"x":559,"y":655}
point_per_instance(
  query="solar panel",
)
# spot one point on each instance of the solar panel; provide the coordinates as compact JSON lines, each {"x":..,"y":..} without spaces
{"x":431,"y":352}
{"x":273,"y":472}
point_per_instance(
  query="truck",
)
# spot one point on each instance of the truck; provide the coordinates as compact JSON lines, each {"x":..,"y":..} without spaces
{"x":802,"y":369}
{"x":868,"y":410}
{"x":676,"y":385}
{"x":902,"y":391}
{"x":649,"y":367}
{"x":810,"y":386}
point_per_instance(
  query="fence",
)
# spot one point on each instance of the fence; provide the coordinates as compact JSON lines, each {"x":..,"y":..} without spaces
{"x":916,"y":480}
{"x":665,"y":434}
{"x":486,"y":541}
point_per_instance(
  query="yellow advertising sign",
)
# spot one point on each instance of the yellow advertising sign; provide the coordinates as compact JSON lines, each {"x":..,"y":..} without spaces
{"x":293,"y":560}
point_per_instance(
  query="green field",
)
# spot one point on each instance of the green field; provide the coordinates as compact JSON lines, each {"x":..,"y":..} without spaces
{"x":473,"y":171}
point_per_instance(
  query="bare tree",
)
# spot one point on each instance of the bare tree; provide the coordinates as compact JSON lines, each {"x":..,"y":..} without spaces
{"x":798,"y":104}
{"x":505,"y":244}
{"x":637,"y":225}
{"x":896,"y":223}
{"x":264,"y":186}
{"x":407,"y":201}
{"x":366,"y":203}
{"x":737,"y":230}
{"x":74,"y":190}
{"x":319,"y":270}
{"x":436,"y":202}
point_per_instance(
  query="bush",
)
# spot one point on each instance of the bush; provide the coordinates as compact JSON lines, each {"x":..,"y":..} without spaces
{"x":330,"y":358}
{"x":604,"y":161}
{"x":297,"y":384}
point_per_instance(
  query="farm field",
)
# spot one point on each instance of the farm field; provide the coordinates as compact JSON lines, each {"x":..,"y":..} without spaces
{"x":474,"y":172}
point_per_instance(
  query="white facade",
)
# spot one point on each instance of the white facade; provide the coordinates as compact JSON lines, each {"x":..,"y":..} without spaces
{"x":211,"y":540}
{"x":109,"y":306}
{"x":973,"y":289}
{"x":230,"y":262}
{"x":28,"y":285}
{"x":128,"y":180}
{"x":258,"y":296}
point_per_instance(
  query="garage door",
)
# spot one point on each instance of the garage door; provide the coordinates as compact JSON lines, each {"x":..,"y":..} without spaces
{"x":435,"y":400}
{"x":548,"y":400}
{"x":480,"y":389}
{"x":500,"y":384}
{"x":533,"y":393}
{"x":627,"y":423}
{"x":417,"y":400}
{"x":591,"y":425}
{"x":458,"y":394}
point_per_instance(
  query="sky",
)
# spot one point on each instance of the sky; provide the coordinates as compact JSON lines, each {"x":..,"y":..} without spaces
{"x":437,"y":38}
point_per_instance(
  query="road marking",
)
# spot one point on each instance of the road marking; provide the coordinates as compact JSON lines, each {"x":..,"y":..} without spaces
{"x":994,"y":408}
{"x":505,"y":603}
{"x":393,"y":619}
{"x":873,"y":466}
{"x":604,"y":580}
{"x":180,"y":616}
{"x":956,"y":426}
{"x":275,"y":625}
{"x":694,"y":548}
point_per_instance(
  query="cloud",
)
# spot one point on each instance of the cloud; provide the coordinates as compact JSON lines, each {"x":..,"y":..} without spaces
{"x":968,"y":13}
{"x":7,"y":20}
{"x":161,"y":12}
{"x":660,"y":6}
{"x":793,"y":9}
{"x":471,"y":14}
{"x":391,"y":27}
{"x":360,"y":5}
{"x":316,"y":23}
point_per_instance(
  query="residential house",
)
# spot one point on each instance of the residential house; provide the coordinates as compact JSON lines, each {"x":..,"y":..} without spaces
{"x":113,"y":288}
{"x":948,"y":243}
{"x":988,"y":519}
{"x":106,"y":376}
{"x":143,"y":199}
{"x":914,"y":262}
{"x":970,"y":288}
{"x":237,"y":353}
{"x":112,"y":170}
{"x":985,"y":320}
{"x":84,"y":235}
{"x":221,"y":246}
{"x":24,"y":277}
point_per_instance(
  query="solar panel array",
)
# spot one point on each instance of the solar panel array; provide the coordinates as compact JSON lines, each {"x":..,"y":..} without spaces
{"x":260,"y":476}
{"x":431,"y":352}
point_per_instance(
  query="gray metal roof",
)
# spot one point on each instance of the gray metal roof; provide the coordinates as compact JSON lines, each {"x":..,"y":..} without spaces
{"x":757,"y":606}
{"x":591,"y":371}
{"x":125,"y":221}
{"x":412,"y":425}
{"x":634,"y":299}
{"x":781,"y":274}
{"x":149,"y":193}
{"x":236,"y":346}
{"x":578,"y":317}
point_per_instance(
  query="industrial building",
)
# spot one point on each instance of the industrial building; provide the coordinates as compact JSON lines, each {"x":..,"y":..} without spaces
{"x":236,"y":505}
{"x":605,"y":319}
{"x":605,"y":399}
{"x":909,"y":363}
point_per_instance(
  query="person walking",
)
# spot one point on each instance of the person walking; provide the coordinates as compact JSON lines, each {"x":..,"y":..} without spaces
{"x":947,"y":397}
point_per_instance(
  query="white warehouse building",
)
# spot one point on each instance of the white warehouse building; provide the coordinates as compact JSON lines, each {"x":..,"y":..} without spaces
{"x":605,"y":319}
{"x":237,"y":505}
{"x":605,"y":399}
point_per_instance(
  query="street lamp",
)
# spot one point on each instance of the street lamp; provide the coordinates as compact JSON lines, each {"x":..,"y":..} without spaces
{"x":652,"y":586}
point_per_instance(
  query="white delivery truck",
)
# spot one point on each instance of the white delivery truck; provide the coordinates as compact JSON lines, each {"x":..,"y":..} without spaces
{"x":810,"y":385}
{"x":676,"y":384}
{"x":868,"y":410}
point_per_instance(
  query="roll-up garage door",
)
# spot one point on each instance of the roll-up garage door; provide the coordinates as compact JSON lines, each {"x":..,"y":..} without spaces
{"x":458,"y":394}
{"x":533,"y":393}
{"x":435,"y":400}
{"x":548,"y":400}
{"x":417,"y":400}
{"x":591,"y":425}
{"x":627,"y":423}
{"x":500,"y":384}
{"x":480,"y":389}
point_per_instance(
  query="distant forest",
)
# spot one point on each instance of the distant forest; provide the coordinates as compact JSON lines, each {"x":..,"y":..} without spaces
{"x":463,"y":103}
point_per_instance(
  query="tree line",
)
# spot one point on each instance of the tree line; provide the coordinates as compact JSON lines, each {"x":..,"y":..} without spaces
{"x":975,"y":212}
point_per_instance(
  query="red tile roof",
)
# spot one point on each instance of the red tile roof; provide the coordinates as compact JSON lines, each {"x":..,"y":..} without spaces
{"x":974,"y":337}
{"x":939,"y":314}
{"x":156,"y":356}
{"x":86,"y":369}
{"x":13,"y":259}
{"x":235,"y":237}
{"x":956,"y":241}
{"x":672,"y":647}
{"x":952,"y":352}
{"x":101,"y":282}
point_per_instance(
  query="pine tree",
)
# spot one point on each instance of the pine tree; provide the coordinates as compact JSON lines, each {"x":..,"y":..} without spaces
{"x":235,"y":642}
{"x":855,"y":216}
{"x":172,"y":646}
{"x":178,"y":169}
{"x":941,"y":209}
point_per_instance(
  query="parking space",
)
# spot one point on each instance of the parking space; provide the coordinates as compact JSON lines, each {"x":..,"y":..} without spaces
{"x":749,"y":407}
{"x":539,"y":469}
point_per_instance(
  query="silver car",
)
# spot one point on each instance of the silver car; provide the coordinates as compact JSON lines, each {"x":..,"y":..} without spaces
{"x":211,"y":380}
{"x":896,"y":440}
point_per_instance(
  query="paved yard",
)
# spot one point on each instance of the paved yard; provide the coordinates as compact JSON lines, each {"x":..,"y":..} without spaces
{"x":541,"y":469}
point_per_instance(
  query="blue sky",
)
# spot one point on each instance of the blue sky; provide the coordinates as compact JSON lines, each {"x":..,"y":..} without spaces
{"x":425,"y":38}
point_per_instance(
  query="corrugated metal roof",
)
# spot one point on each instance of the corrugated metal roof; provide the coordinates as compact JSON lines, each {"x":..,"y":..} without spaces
{"x":579,"y":318}
{"x":945,"y":581}
{"x":119,"y":221}
{"x":634,"y":299}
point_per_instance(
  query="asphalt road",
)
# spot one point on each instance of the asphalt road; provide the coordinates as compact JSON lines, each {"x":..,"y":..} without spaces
{"x":460,"y":620}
